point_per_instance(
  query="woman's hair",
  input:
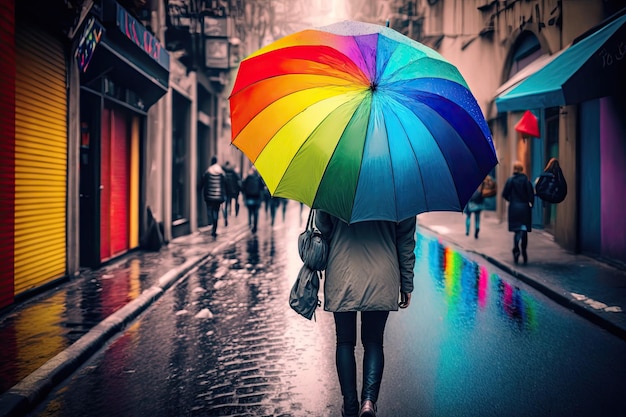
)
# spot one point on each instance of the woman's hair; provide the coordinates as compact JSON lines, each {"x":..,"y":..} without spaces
{"x":552,"y":163}
{"x":518,"y":167}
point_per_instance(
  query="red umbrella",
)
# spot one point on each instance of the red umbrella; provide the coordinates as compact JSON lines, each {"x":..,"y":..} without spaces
{"x":528,"y":125}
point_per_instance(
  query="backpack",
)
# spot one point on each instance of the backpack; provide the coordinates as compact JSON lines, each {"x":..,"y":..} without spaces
{"x":551,"y":185}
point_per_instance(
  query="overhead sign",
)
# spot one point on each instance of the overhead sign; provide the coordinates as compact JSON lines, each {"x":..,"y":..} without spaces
{"x":137,"y":33}
{"x":89,"y":39}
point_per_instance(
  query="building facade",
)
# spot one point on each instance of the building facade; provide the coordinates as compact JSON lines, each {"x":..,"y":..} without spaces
{"x":103,"y":128}
{"x":562,"y":61}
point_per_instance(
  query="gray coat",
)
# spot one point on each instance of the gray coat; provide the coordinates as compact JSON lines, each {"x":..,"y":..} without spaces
{"x":369,"y":263}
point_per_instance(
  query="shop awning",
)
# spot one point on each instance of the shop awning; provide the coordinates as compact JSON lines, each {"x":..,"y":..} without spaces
{"x":524,"y":73}
{"x":588,"y":69}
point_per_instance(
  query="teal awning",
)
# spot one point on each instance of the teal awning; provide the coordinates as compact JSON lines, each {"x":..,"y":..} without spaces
{"x":591,"y":68}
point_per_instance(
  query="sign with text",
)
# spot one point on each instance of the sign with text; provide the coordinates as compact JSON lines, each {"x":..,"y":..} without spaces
{"x":216,"y":51}
{"x":137,"y":33}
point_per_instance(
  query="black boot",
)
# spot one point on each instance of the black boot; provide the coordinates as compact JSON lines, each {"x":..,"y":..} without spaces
{"x":476,"y":233}
{"x":525,"y":256}
{"x":346,"y":370}
{"x":368,"y":409}
{"x":373,"y":364}
{"x":516,"y":255}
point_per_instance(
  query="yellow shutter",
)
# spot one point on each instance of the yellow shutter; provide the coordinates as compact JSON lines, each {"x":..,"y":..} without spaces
{"x":40,"y":159}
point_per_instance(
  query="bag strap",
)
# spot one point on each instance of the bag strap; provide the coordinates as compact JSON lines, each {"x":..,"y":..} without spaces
{"x":309,"y":223}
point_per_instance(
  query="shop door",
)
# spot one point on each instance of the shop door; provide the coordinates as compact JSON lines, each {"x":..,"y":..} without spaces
{"x":114,"y":180}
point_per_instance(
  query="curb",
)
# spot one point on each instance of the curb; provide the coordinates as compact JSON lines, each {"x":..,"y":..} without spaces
{"x":549,"y":292}
{"x":561,"y":299}
{"x":27,"y":393}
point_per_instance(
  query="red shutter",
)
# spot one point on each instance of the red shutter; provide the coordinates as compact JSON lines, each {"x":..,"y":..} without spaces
{"x":105,"y":186}
{"x":7,"y":151}
{"x":120,"y":179}
{"x":115,"y":180}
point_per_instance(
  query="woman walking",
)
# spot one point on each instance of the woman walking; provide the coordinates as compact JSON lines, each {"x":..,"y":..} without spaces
{"x":370,"y":267}
{"x":518,"y":191}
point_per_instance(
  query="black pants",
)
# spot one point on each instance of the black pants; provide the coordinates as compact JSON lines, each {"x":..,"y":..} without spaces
{"x":213,"y":211}
{"x":253,"y":216}
{"x":520,"y":236}
{"x":372,"y":331}
{"x":229,"y":203}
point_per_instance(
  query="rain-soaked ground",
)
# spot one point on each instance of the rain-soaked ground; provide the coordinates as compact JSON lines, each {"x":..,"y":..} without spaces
{"x":474,"y":342}
{"x":45,"y":325}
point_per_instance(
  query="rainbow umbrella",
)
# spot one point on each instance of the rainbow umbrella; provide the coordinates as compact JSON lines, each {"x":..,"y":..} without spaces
{"x":362,"y":122}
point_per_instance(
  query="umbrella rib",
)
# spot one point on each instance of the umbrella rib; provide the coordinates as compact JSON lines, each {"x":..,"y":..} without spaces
{"x":417,"y":161}
{"x":333,"y":154}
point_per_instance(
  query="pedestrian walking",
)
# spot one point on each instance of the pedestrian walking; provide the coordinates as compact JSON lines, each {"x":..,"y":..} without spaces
{"x":267,"y":199}
{"x":518,"y":191}
{"x":233,"y":188}
{"x":275,"y":203}
{"x":283,"y":205}
{"x":474,"y":206}
{"x":253,"y":189}
{"x":370,"y":268}
{"x":214,"y":192}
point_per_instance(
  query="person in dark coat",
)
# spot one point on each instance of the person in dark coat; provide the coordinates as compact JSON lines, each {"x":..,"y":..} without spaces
{"x":233,"y":187}
{"x":253,"y":189}
{"x":518,"y":191}
{"x":214,"y":192}
{"x":370,"y":268}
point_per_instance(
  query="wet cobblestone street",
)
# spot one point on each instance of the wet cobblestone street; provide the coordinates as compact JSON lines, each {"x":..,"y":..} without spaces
{"x":224,"y":341}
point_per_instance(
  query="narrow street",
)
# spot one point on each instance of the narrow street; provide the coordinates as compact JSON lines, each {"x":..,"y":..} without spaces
{"x":224,"y":342}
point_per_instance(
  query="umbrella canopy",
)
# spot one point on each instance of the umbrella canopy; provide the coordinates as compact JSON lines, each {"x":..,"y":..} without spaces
{"x":362,"y":122}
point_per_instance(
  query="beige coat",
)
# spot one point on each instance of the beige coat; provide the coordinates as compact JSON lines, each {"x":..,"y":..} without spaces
{"x":369,"y":263}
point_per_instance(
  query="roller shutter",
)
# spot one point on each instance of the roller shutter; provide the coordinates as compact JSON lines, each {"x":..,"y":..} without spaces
{"x":40,"y":159}
{"x":115,"y":194}
{"x":7,"y":150}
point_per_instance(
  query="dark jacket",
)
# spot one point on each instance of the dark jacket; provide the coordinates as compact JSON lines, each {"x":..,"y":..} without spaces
{"x":214,"y":184}
{"x":253,"y":189}
{"x":518,"y":191}
{"x":233,"y":182}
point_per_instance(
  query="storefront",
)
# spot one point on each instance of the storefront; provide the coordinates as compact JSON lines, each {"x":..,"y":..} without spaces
{"x":578,"y":97}
{"x":124,"y":71}
{"x":182,"y":147}
{"x":206,"y":141}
